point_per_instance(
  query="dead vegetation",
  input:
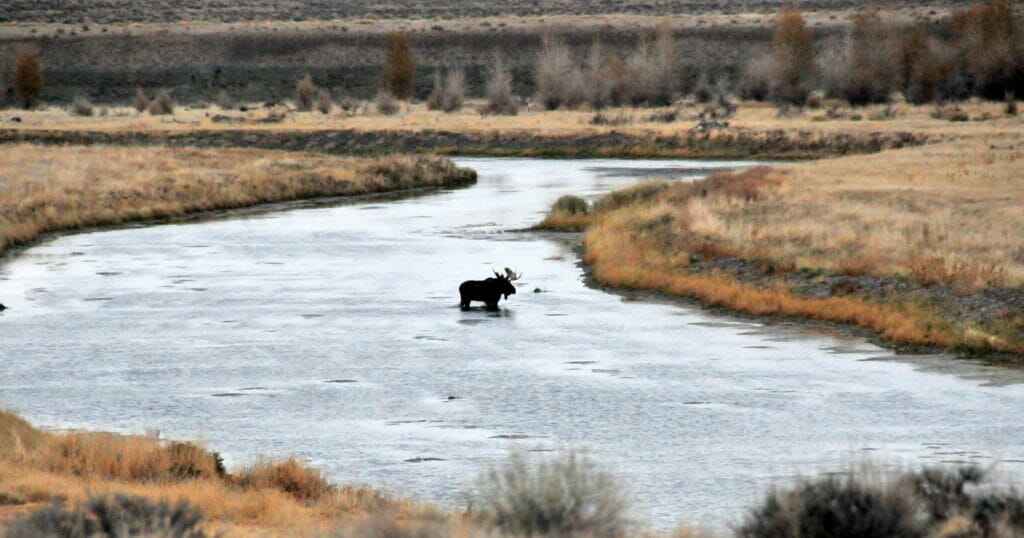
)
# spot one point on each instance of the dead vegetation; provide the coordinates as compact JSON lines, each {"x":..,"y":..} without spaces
{"x":97,"y":185}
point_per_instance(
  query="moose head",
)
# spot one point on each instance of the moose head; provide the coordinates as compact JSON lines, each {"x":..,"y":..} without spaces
{"x":489,"y":290}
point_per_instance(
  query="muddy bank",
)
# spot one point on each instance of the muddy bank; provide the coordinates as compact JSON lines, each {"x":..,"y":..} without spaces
{"x":745,"y":144}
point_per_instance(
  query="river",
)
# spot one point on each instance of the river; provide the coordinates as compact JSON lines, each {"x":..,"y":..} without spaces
{"x":332,"y":332}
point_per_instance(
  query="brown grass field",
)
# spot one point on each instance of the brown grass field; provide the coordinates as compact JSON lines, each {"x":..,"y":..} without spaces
{"x":268,"y":498}
{"x":50,"y":189}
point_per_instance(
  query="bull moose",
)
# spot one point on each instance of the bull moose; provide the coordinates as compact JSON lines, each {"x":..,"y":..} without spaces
{"x":490,"y":290}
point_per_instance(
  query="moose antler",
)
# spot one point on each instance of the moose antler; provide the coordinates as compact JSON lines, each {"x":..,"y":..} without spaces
{"x":512,"y":275}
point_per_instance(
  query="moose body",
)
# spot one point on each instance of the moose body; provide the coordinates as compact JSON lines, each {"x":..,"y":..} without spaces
{"x":488,"y":291}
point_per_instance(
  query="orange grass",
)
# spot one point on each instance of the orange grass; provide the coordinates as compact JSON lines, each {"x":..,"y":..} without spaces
{"x":283,"y":497}
{"x":48,"y":189}
{"x":648,"y":246}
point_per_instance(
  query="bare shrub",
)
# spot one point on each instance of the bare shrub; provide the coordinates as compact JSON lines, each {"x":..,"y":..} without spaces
{"x":599,"y":81}
{"x":141,"y":99}
{"x":652,"y":69}
{"x":28,"y":79}
{"x":815,"y":99}
{"x":449,"y":93}
{"x":324,"y":103}
{"x":162,"y":103}
{"x":224,"y":101}
{"x":305,"y":92}
{"x":114,"y":515}
{"x":793,"y":49}
{"x":875,"y":68}
{"x":563,"y":496}
{"x":386,"y":103}
{"x":81,"y":107}
{"x":758,"y":77}
{"x":500,"y":99}
{"x":400,"y":70}
{"x":1010,"y":98}
{"x":991,"y":44}
{"x":560,"y":82}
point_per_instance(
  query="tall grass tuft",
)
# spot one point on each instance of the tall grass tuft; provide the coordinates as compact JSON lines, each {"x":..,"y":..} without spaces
{"x":400,"y":69}
{"x":28,"y":79}
{"x":562,"y":496}
{"x":112,"y":515}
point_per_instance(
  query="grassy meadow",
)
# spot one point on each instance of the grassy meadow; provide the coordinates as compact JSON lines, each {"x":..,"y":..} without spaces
{"x":46,"y":189}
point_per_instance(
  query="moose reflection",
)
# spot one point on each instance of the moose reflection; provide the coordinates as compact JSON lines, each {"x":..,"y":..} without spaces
{"x":490,"y":290}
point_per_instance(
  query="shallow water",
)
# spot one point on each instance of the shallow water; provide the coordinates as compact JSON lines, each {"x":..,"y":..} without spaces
{"x":333,"y":333}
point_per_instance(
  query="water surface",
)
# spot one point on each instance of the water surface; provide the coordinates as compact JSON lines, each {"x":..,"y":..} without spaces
{"x":333,"y":333}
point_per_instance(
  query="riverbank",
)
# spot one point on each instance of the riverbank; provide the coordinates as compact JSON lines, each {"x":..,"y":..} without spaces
{"x":920,"y":246}
{"x":48,"y":189}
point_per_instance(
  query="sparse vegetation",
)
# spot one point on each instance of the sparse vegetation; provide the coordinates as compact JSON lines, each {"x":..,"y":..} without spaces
{"x":500,"y":99}
{"x":110,"y":516}
{"x":81,"y":107}
{"x":449,"y":92}
{"x":562,"y":496}
{"x":28,"y":79}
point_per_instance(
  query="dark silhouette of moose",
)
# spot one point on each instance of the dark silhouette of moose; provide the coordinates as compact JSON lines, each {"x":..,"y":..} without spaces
{"x":488,"y":291}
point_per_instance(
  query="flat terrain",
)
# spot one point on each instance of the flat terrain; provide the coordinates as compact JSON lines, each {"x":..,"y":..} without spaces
{"x":110,"y":11}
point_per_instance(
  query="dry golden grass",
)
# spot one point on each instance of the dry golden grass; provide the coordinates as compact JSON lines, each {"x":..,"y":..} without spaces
{"x":284,"y":497}
{"x":649,"y":246}
{"x":47,"y":189}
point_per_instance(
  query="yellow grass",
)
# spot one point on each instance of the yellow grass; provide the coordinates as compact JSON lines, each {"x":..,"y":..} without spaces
{"x":47,"y":189}
{"x":649,"y":245}
{"x":283,"y":497}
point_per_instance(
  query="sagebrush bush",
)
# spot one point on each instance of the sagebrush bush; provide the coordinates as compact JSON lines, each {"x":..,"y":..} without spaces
{"x":571,"y":204}
{"x":81,"y":107}
{"x":931,"y":502}
{"x":113,"y":516}
{"x":324,"y":103}
{"x":562,"y":496}
{"x":141,"y":100}
{"x":305,"y":92}
{"x":386,"y":103}
{"x":28,"y":79}
{"x":400,"y":70}
{"x":163,"y":103}
{"x":449,"y":92}
{"x":500,"y":99}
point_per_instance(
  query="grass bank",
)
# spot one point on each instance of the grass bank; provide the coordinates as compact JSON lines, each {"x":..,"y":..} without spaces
{"x":45,"y":189}
{"x":920,"y":246}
